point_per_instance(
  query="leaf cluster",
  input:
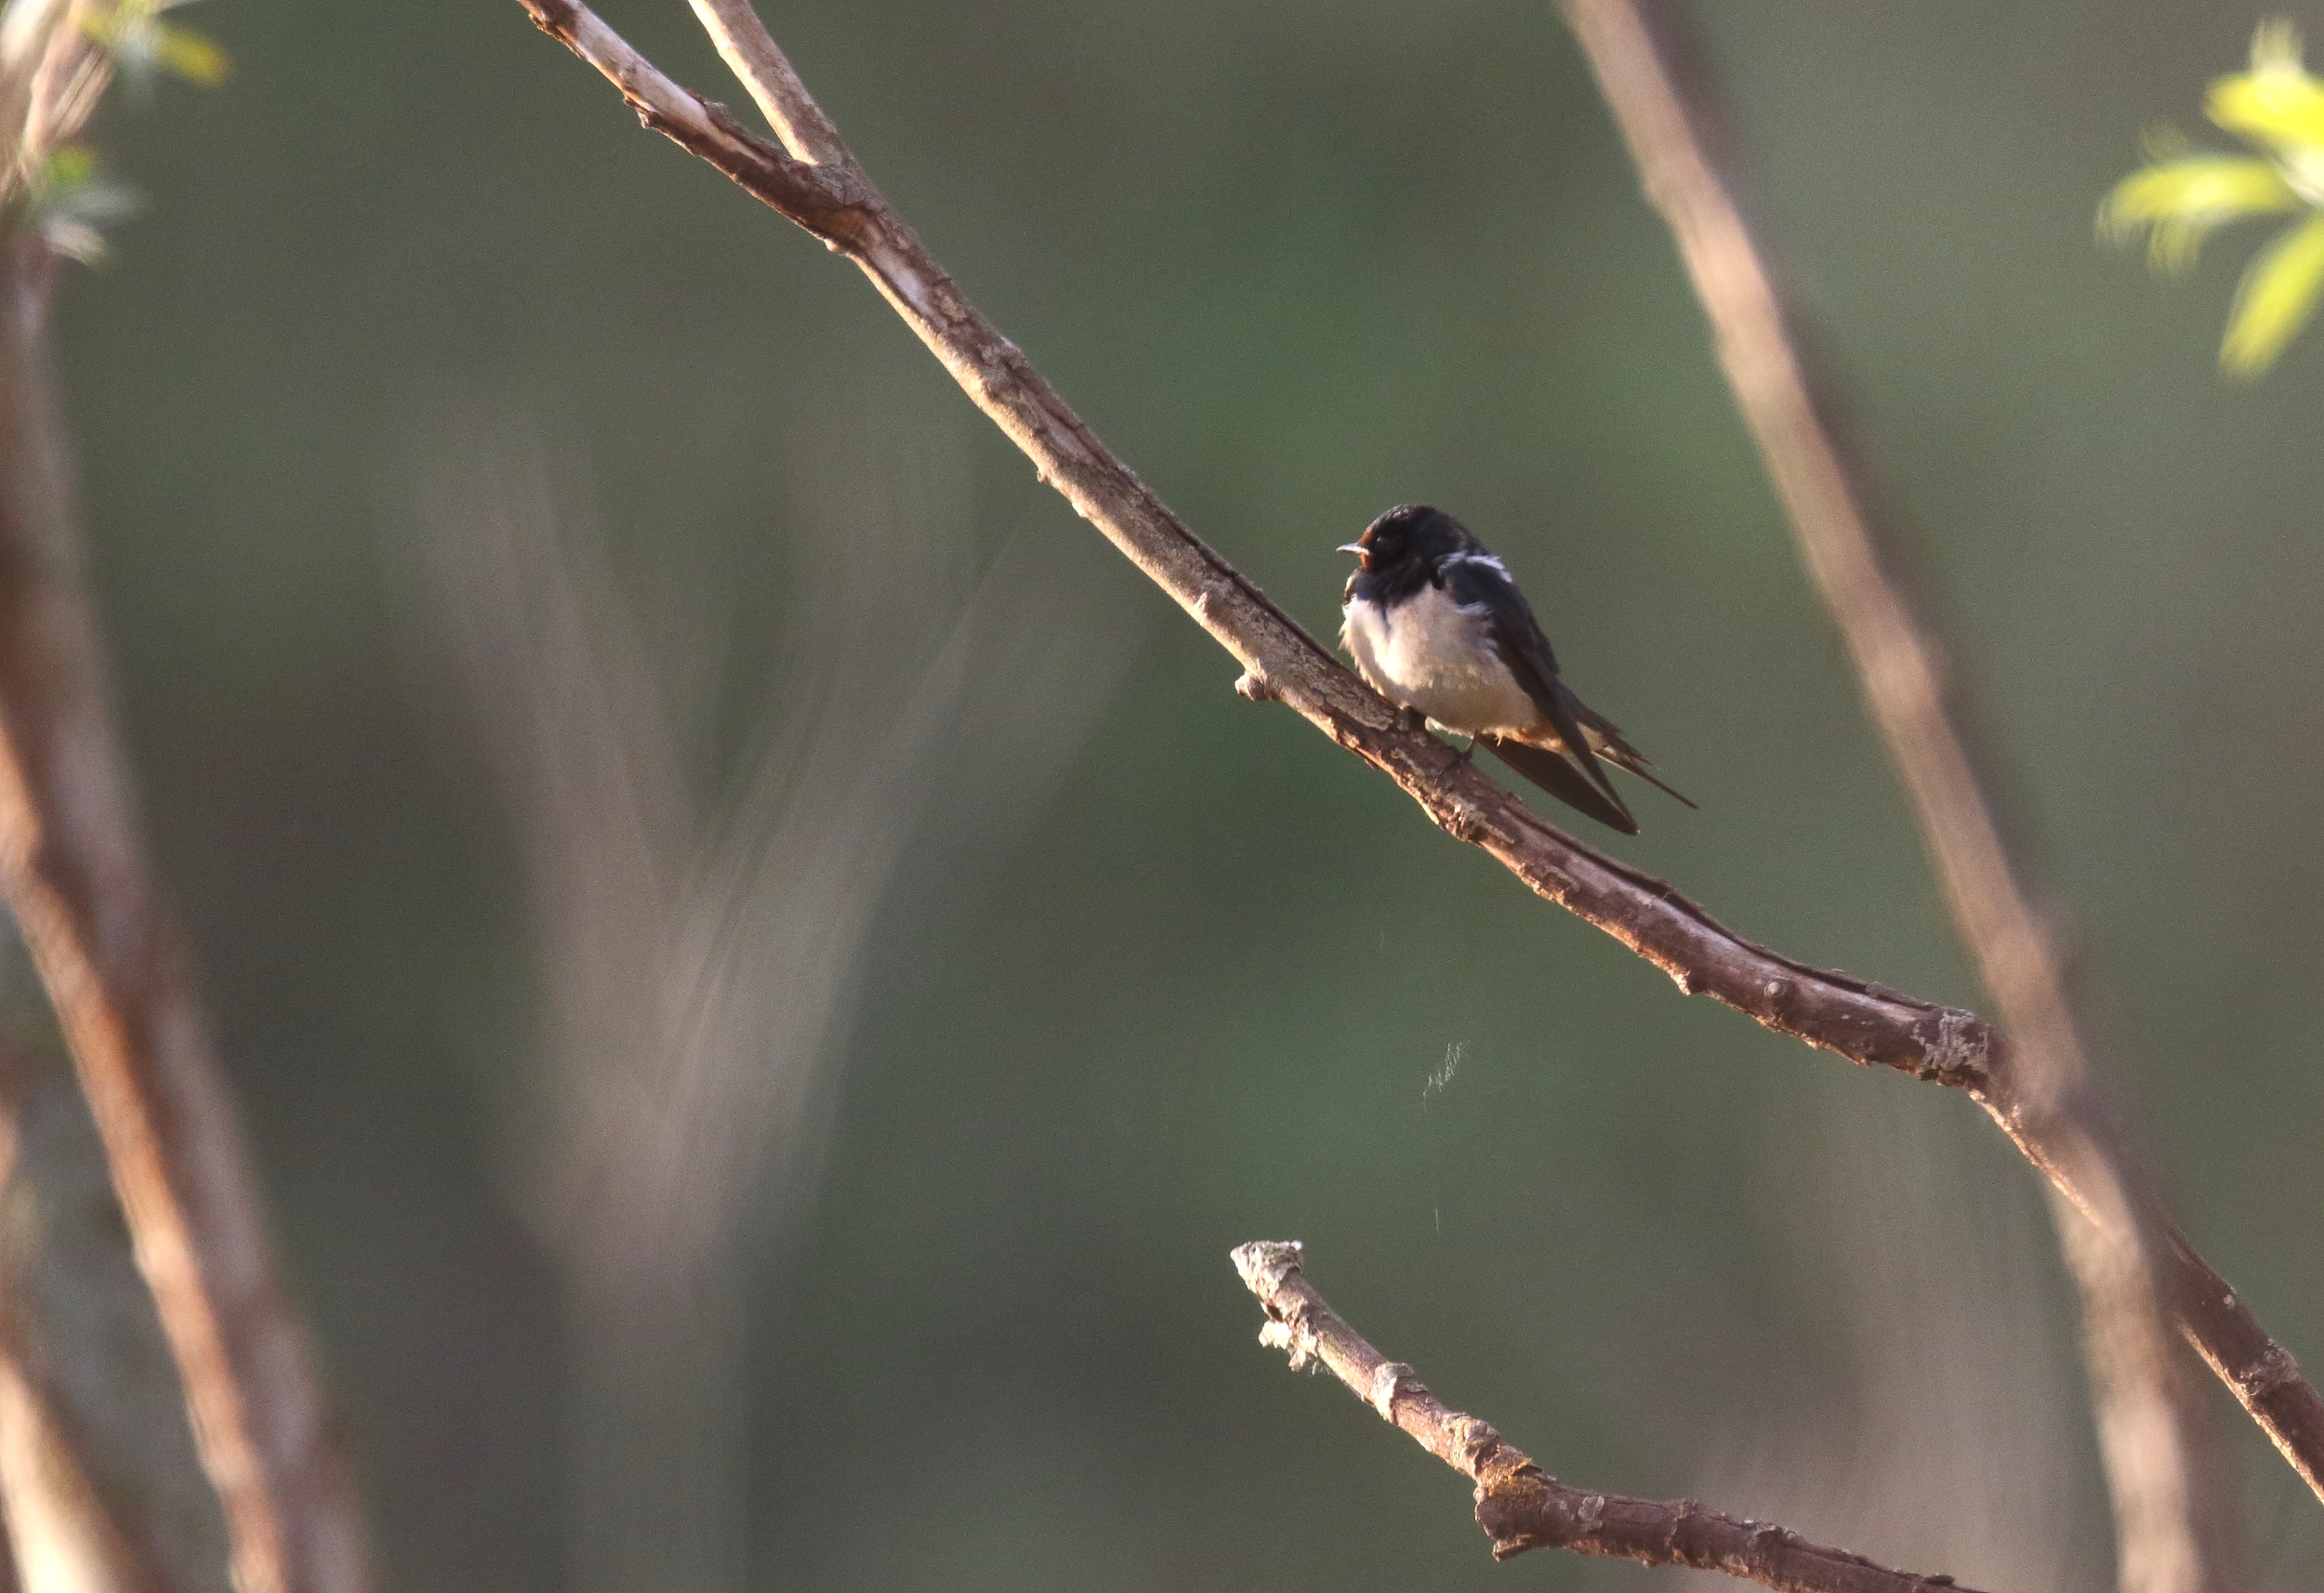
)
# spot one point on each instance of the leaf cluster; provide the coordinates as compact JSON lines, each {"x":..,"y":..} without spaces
{"x":2183,"y":195}
{"x":57,"y":58}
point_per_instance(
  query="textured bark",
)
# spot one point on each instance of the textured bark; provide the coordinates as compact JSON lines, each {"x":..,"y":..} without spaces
{"x":1856,"y":1019}
{"x":1521,"y":1507}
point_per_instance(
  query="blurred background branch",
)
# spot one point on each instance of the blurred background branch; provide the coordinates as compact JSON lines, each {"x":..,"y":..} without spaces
{"x":1935,"y":1421}
{"x":2176,"y":1519}
{"x":104,"y":1489}
{"x":72,"y":867}
{"x":702,"y":957}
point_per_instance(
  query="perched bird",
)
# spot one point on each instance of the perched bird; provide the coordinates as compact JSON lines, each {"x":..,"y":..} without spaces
{"x":1435,"y":624}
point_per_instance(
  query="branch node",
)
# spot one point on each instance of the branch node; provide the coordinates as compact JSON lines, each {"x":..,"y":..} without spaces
{"x":1463,"y":822}
{"x":1264,"y":1263}
{"x":1279,"y":1334}
{"x":1476,"y":1440}
{"x":1956,"y":1047}
{"x":2275,"y":1368}
{"x":1389,"y":1380}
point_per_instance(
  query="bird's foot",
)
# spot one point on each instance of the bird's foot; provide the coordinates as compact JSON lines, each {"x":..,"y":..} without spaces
{"x":1464,"y":759}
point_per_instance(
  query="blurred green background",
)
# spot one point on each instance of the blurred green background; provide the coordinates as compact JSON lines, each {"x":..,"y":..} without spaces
{"x":1296,"y":261}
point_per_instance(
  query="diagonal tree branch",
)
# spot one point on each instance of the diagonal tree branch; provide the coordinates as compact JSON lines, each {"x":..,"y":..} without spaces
{"x":1521,"y":1507}
{"x":2175,"y":1521}
{"x":1856,"y":1019}
{"x":752,"y":55}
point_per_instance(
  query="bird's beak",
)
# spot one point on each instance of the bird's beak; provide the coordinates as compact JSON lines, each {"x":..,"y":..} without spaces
{"x":1363,"y":554}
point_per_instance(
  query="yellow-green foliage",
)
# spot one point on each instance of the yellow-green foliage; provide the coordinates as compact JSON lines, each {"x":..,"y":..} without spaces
{"x":53,"y":180}
{"x":2180,"y":197}
{"x":140,"y":42}
{"x":73,"y":202}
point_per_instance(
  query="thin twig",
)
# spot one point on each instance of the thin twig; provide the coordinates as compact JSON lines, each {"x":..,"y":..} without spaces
{"x":1833,"y":1011}
{"x":1521,"y":1507}
{"x":2175,"y":1522}
{"x":96,"y":1431}
{"x":59,"y":1524}
{"x":752,"y":55}
{"x":75,"y":880}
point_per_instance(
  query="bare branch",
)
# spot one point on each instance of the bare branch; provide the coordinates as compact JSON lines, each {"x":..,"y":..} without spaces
{"x":75,"y":876}
{"x":76,"y":880}
{"x":58,"y":1524}
{"x":752,"y":55}
{"x":96,"y":1447}
{"x":1519,"y":1506}
{"x":1856,"y":1019}
{"x":2174,"y":1522}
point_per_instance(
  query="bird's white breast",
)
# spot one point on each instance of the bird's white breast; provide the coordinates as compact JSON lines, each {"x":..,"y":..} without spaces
{"x":1430,"y":653}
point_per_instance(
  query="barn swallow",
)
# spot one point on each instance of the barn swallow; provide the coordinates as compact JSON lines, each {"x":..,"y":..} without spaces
{"x":1436,"y":624}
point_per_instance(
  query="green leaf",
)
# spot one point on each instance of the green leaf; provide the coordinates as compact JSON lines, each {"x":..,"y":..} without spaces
{"x":73,"y":202}
{"x":2279,"y":293}
{"x":190,"y":55}
{"x":2183,"y":199}
{"x":70,"y":167}
{"x":2277,"y":103}
{"x":141,"y":44}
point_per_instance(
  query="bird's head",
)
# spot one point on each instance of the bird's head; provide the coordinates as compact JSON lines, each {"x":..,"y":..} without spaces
{"x":1407,"y":534}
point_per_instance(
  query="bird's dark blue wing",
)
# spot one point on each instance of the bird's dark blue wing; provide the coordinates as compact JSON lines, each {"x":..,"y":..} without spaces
{"x":1614,"y":748}
{"x":1561,"y":780}
{"x":1478,"y":581}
